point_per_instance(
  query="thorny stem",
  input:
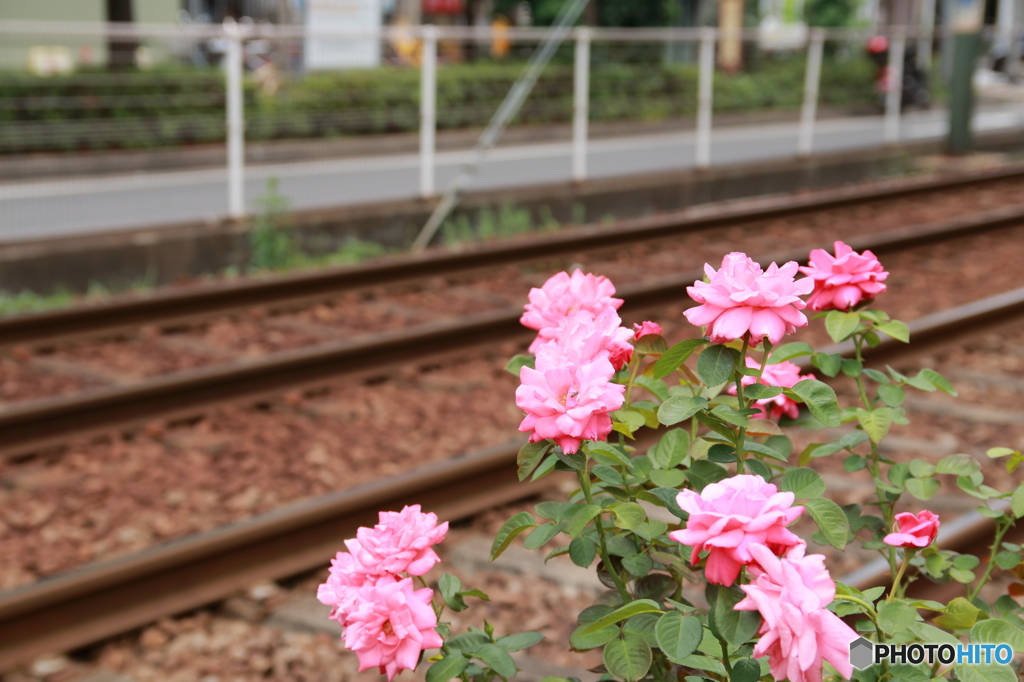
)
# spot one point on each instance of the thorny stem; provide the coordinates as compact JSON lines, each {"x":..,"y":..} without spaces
{"x":584,"y":476}
{"x":887,"y":508}
{"x":907,"y":555}
{"x":742,"y":404}
{"x":1000,"y":532}
{"x":632,"y":376}
{"x":725,"y":657}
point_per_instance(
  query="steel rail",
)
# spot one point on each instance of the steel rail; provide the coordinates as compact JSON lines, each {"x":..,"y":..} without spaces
{"x":175,"y":306}
{"x":100,"y":600}
{"x":36,"y":424}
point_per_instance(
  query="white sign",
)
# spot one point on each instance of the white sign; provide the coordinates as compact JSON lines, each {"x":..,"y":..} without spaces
{"x":328,"y":52}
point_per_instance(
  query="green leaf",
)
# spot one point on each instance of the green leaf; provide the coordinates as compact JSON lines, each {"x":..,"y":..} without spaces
{"x":745,"y":670}
{"x":728,"y":414}
{"x":896,"y":617}
{"x":529,"y":457}
{"x":643,"y":625}
{"x":518,"y":362}
{"x":449,"y":586}
{"x":735,"y":627}
{"x":960,"y":615}
{"x":998,"y":631}
{"x":628,"y":658}
{"x":875,"y":422}
{"x":669,"y":452}
{"x":922,"y":488}
{"x":991,"y":672}
{"x":468,"y":642}
{"x":656,"y":387}
{"x":959,"y":465}
{"x":622,"y":613}
{"x":519,"y":641}
{"x":631,"y":418}
{"x":638,"y":565}
{"x":582,"y":551}
{"x":940,"y":382}
{"x":545,"y":468}
{"x":893,"y":396}
{"x":580,"y":518}
{"x":592,"y":613}
{"x":761,"y":392}
{"x":678,"y":635}
{"x":541,"y":535}
{"x":600,"y":450}
{"x":831,"y":520}
{"x":703,"y":472}
{"x":1007,"y":560}
{"x":628,"y":515}
{"x":788,"y":351}
{"x":895,"y":329}
{"x":840,"y":325}
{"x":592,"y":640}
{"x":829,"y":364}
{"x":680,"y":407}
{"x":497,"y":659}
{"x":673,"y":478}
{"x":607,"y":474}
{"x":820,"y":400}
{"x":921,"y":469}
{"x":996,"y":453}
{"x":668,"y":498}
{"x":1017,"y":502}
{"x":651,"y":344}
{"x":675,"y":356}
{"x":715,"y":364}
{"x":509,"y":531}
{"x":802,"y":482}
{"x":447,"y":668}
{"x":930,"y":633}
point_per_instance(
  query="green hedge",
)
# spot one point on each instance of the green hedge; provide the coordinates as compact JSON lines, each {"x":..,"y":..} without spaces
{"x":97,"y":110}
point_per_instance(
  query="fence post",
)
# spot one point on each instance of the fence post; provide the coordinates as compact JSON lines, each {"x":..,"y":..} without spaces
{"x":428,"y":110}
{"x":581,"y":104}
{"x":704,"y":94}
{"x":927,"y":34}
{"x":235,"y":120}
{"x":812,"y":79}
{"x":894,"y":97}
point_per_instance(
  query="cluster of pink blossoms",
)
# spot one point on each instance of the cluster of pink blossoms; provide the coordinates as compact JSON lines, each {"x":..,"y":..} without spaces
{"x":580,"y":345}
{"x":386,"y":622}
{"x":742,"y":300}
{"x":741,"y":521}
{"x":844,"y":280}
{"x":785,"y":375}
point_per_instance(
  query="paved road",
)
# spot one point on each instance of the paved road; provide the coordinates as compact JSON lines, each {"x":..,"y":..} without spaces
{"x":68,"y":207}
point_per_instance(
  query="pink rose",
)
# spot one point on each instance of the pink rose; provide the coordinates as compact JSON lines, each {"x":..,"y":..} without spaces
{"x":569,"y":403}
{"x":344,"y":579}
{"x":784,"y":374}
{"x":730,"y":516}
{"x":562,"y":295}
{"x":742,"y":299}
{"x":797,"y":631}
{"x":390,"y":625}
{"x":917,"y":531}
{"x":646,"y":328}
{"x":400,"y":543}
{"x":843,"y":281}
{"x":583,"y":337}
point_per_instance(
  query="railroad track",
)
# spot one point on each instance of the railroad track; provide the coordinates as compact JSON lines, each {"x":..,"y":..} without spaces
{"x":32,"y":425}
{"x":100,"y":600}
{"x":176,"y":307}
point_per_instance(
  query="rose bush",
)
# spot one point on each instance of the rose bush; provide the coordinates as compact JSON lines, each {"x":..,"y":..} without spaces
{"x":726,"y":591}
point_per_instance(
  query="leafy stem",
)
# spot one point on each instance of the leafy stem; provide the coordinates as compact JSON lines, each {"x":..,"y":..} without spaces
{"x":741,"y":401}
{"x":584,"y":476}
{"x":907,"y":556}
{"x":1002,"y":526}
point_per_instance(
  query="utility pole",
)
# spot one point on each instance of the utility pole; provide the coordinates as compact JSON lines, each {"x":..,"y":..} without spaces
{"x":967,"y":18}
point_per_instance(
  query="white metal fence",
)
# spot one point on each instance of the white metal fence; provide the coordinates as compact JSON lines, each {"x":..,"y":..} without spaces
{"x":236,"y":49}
